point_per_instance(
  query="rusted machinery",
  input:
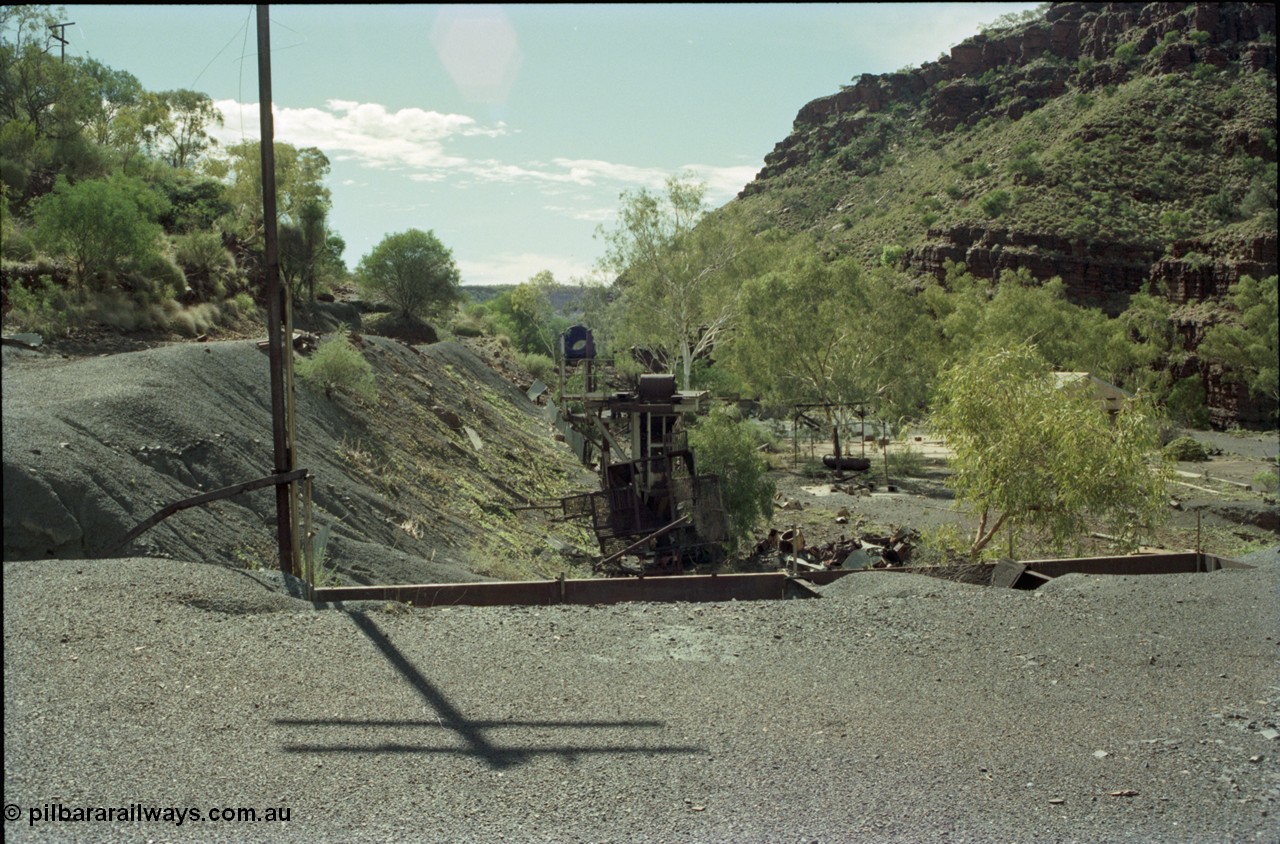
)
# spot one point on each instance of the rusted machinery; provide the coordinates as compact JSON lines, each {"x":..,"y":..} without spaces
{"x":652,"y":505}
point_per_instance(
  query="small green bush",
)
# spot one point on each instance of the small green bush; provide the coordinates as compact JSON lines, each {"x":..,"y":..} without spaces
{"x":1267,"y":480}
{"x":1187,"y":403}
{"x":157,"y":280}
{"x":338,"y":365}
{"x":1186,"y":449}
{"x":996,"y":203}
{"x":42,"y":310}
{"x":243,"y":303}
{"x":16,"y":243}
{"x":726,"y":446}
{"x":539,"y":366}
{"x":207,"y":264}
{"x":891,"y":255}
{"x":468,"y":327}
{"x":124,"y":311}
{"x":907,"y":463}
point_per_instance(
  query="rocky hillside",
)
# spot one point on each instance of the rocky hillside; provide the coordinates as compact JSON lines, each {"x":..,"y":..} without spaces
{"x":1120,"y":146}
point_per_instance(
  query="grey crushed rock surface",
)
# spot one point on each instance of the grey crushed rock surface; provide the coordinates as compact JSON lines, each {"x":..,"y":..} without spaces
{"x":95,"y":445}
{"x":892,"y":709}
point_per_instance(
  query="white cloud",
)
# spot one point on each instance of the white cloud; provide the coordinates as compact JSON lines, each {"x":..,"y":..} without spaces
{"x":724,"y":183}
{"x":366,"y":133}
{"x":590,"y":215}
{"x":515,"y":269}
{"x":593,"y":172}
{"x":370,"y":135}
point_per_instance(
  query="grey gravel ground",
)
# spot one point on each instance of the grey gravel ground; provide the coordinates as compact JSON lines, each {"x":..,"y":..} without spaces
{"x":894,"y":708}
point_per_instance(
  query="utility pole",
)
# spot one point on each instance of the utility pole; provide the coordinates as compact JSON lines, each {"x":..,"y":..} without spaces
{"x":279,"y":320}
{"x":59,"y":35}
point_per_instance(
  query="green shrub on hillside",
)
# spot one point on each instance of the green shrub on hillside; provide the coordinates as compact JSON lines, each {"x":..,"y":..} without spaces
{"x":206,"y":262}
{"x":996,"y":203}
{"x":338,"y":365}
{"x":41,"y":311}
{"x":539,"y":366}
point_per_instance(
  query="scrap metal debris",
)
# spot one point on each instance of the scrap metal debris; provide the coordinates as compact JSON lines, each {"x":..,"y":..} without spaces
{"x":870,"y":550}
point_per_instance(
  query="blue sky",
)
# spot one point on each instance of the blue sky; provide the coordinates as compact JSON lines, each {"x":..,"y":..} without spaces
{"x":510,"y":131}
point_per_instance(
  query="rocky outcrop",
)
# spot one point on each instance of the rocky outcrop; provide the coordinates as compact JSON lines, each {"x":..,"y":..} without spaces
{"x":1101,"y":276}
{"x":1074,"y":46}
{"x":1075,"y":49}
{"x":1204,"y":268}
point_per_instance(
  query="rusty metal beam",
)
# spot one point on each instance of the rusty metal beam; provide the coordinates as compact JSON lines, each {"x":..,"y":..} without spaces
{"x":1031,"y":573}
{"x":768,"y":586}
{"x":205,"y":498}
{"x":1180,"y":562}
{"x":662,"y":531}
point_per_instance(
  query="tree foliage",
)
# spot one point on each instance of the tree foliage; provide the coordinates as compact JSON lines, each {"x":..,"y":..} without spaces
{"x":679,"y":278}
{"x":181,"y":132}
{"x":525,"y":314}
{"x":972,"y":312}
{"x":102,"y":224}
{"x":300,"y":175}
{"x":813,"y":331}
{"x":413,"y":272}
{"x":338,"y":366}
{"x":1029,"y":452}
{"x":723,"y":445}
{"x":1248,"y":345}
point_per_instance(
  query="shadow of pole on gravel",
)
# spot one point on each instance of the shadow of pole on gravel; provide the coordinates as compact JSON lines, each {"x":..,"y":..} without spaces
{"x":473,"y":733}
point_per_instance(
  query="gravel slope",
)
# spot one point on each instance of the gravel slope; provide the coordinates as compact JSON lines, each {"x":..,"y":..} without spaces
{"x":894,"y":708}
{"x":93,"y":446}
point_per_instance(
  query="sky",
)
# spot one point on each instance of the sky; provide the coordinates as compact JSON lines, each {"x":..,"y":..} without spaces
{"x":512,"y":131}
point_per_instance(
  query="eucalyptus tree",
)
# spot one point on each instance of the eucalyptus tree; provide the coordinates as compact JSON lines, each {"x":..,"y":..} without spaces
{"x":300,"y":176}
{"x":1031,"y":453}
{"x":679,"y":271}
{"x":813,"y":331}
{"x":1247,"y":343}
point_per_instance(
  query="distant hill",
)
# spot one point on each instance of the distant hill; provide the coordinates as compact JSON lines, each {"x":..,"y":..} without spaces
{"x":1120,"y":146}
{"x":566,"y":299}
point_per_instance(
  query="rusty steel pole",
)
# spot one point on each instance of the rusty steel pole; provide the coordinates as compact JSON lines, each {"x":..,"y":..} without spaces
{"x":279,"y":329}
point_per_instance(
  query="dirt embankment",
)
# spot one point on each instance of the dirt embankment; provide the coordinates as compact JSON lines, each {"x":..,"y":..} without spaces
{"x":422,"y":486}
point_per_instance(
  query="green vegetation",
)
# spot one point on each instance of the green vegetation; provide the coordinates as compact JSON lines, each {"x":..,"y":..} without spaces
{"x":725,"y":446}
{"x":338,"y":366}
{"x":801,"y":336}
{"x":1248,"y":344}
{"x":147,"y":219}
{"x":1143,"y":163}
{"x":1044,"y":458}
{"x":524,"y":314}
{"x":1186,"y":449}
{"x":413,"y":272}
{"x":103,"y":226}
{"x":40,"y":309}
{"x":679,"y":279}
{"x":809,"y":290}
